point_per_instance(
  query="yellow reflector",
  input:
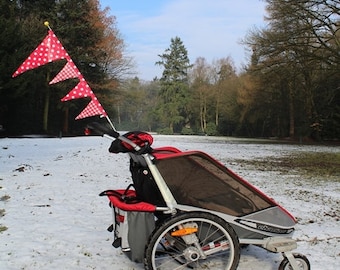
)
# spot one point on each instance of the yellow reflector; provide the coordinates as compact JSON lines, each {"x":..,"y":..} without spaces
{"x":185,"y":231}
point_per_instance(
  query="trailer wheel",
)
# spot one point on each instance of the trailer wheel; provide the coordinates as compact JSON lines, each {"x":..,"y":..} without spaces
{"x":301,"y":260}
{"x":193,"y":240}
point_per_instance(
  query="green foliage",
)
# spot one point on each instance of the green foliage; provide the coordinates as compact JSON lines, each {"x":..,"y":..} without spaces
{"x":294,"y":70}
{"x":89,"y":36}
{"x":187,"y":131}
{"x":174,"y":85}
{"x":211,"y":129}
{"x":290,"y":87}
{"x":135,"y":106}
{"x":166,"y":131}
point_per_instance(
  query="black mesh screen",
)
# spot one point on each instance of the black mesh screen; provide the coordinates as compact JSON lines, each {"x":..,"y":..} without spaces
{"x":199,"y":181}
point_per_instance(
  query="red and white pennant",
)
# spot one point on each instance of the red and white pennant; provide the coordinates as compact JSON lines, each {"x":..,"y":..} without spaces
{"x":93,"y":108}
{"x":69,"y":71}
{"x":51,"y":49}
{"x":81,"y":90}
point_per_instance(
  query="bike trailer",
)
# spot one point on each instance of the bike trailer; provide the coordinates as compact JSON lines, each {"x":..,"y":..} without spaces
{"x":186,"y":210}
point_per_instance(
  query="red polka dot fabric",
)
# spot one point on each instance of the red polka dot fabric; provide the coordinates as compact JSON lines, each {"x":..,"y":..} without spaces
{"x":69,"y":71}
{"x":49,"y":50}
{"x":93,"y":108}
{"x":82,"y":90}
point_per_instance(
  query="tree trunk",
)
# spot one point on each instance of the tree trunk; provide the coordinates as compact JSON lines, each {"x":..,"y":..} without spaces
{"x":46,"y":104}
{"x":171,"y":127}
{"x":291,"y":113}
{"x":65,"y":125}
{"x":118,"y":114}
{"x":217,"y":109}
{"x":205,"y":115}
{"x":203,"y":112}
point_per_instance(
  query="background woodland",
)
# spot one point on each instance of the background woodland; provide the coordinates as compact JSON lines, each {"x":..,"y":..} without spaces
{"x":290,"y":88}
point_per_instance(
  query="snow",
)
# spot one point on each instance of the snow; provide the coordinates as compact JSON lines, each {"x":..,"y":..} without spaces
{"x":49,"y":201}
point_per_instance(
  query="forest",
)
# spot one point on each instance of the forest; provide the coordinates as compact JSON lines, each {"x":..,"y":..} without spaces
{"x":290,"y":88}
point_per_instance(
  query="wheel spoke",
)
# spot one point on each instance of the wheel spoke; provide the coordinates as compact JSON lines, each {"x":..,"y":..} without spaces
{"x":213,"y":237}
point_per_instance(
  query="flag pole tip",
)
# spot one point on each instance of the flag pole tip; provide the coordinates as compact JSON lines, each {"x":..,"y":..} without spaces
{"x":47,"y":24}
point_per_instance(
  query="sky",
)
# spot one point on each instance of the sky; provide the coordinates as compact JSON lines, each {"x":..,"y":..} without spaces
{"x":211,"y":29}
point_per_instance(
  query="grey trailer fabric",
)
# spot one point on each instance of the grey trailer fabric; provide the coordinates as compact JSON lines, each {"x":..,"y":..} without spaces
{"x":141,"y":225}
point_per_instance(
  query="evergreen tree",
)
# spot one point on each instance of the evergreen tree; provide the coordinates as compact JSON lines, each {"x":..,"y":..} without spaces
{"x":20,"y":99}
{"x":174,"y":85}
{"x":29,"y":103}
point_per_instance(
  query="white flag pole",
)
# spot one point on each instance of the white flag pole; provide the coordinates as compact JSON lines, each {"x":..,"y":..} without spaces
{"x":110,"y":122}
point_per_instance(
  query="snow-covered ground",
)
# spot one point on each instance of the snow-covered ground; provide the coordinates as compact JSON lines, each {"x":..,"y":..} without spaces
{"x":49,"y":201}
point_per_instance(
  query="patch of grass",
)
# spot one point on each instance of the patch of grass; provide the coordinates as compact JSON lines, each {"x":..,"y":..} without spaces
{"x":2,"y":212}
{"x":322,"y":164}
{"x":3,"y":228}
{"x":23,"y":168}
{"x":311,"y":164}
{"x":5,"y":198}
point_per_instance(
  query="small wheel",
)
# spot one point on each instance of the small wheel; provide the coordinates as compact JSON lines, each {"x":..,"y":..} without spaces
{"x":301,"y":261}
{"x":193,"y":240}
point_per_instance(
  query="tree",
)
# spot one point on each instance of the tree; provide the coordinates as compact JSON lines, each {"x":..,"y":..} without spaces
{"x":289,"y":56}
{"x":201,"y":89}
{"x":91,"y":38}
{"x":8,"y":38}
{"x":174,"y":85}
{"x":225,"y":90}
{"x":214,"y":91}
{"x":137,"y":103}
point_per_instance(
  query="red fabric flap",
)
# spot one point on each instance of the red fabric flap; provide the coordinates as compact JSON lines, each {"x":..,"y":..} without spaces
{"x":137,"y":207}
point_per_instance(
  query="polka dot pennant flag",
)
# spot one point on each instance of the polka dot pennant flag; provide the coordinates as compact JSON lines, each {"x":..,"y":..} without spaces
{"x":92,"y":109}
{"x":49,"y":50}
{"x":69,"y":71}
{"x":81,"y":90}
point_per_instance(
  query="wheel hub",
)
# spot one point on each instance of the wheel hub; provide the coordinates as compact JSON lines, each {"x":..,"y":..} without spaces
{"x":191,"y":254}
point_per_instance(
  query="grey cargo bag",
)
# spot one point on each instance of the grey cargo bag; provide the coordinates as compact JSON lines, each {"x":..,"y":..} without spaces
{"x":133,"y":222}
{"x":132,"y":231}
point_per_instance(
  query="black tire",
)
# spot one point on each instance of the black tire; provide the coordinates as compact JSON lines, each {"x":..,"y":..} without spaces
{"x":215,"y":237}
{"x":301,"y":260}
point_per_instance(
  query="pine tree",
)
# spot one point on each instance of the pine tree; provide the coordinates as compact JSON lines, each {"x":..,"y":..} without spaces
{"x":90,"y":37}
{"x":174,"y":85}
